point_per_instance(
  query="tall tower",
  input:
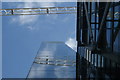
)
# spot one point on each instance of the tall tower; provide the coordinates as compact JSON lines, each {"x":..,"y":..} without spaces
{"x":54,"y":60}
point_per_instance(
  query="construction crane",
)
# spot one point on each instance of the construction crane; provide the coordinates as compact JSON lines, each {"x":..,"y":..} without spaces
{"x":38,"y":11}
{"x":46,"y":10}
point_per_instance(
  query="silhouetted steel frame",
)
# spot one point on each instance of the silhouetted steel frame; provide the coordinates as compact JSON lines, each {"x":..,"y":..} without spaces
{"x":88,"y":22}
{"x":78,"y":35}
{"x":116,"y":30}
{"x":103,"y":22}
{"x":101,"y":28}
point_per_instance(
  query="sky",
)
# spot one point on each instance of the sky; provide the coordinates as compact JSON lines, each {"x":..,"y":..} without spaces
{"x":22,"y":35}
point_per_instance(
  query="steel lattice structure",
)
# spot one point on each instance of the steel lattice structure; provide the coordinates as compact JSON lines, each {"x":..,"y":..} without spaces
{"x":38,"y":11}
{"x":98,"y":41}
{"x":46,"y":10}
{"x":97,"y":36}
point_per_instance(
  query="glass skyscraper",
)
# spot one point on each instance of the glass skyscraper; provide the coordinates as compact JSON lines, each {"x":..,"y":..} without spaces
{"x":54,"y":60}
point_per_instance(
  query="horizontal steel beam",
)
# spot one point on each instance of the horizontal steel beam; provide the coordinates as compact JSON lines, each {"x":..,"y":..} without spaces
{"x":111,"y":56}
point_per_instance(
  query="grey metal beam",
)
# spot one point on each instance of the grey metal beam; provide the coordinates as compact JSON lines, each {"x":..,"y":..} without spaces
{"x":88,"y":22}
{"x":116,"y":31}
{"x":78,"y":27}
{"x":112,"y":57}
{"x":100,"y":34}
{"x":78,"y":36}
{"x":84,"y":26}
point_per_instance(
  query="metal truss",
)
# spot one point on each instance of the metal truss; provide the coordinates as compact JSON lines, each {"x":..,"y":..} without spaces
{"x":43,"y":11}
{"x":98,"y":37}
{"x":38,"y":11}
{"x":95,"y":24}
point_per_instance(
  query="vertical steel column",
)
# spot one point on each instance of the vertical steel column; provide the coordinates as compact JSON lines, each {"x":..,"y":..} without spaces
{"x":112,"y":28}
{"x":78,"y":27}
{"x":77,"y":66}
{"x":78,"y":38}
{"x":84,"y":26}
{"x":101,"y":41}
{"x":95,"y":21}
{"x":90,"y":12}
{"x":117,"y":29}
{"x":118,"y":26}
{"x":103,"y":11}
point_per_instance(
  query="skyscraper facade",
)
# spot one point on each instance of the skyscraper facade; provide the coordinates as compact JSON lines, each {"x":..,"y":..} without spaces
{"x":54,"y":60}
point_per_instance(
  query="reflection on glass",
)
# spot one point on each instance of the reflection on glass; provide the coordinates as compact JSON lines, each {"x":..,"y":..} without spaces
{"x":54,"y":60}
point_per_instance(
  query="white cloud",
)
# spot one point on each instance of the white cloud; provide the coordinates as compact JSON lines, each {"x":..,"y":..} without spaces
{"x":36,"y":4}
{"x":31,"y":28}
{"x":32,"y":19}
{"x":26,"y":19}
{"x":50,"y":4}
{"x":71,"y":42}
